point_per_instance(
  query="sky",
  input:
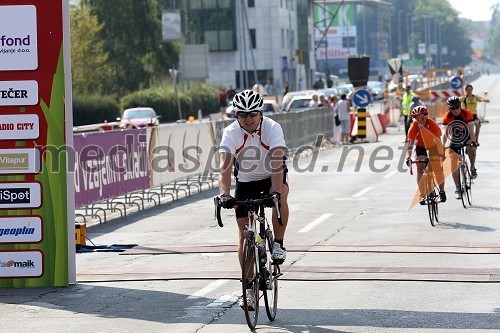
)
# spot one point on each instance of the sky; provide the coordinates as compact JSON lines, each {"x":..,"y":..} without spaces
{"x":476,"y":10}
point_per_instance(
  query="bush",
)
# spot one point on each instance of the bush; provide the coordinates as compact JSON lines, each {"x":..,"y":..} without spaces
{"x":94,"y":109}
{"x":199,"y":96}
{"x":162,"y":100}
{"x":204,"y":97}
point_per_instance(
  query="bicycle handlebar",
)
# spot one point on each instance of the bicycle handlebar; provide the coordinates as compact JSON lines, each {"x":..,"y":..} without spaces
{"x":246,"y":203}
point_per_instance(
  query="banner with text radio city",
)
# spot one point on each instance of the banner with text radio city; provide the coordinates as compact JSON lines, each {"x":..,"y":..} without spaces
{"x":36,"y":193}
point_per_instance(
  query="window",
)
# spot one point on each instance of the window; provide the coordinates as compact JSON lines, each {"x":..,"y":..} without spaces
{"x":251,"y":3}
{"x":253,"y":39}
{"x":225,"y":3}
{"x":348,"y":42}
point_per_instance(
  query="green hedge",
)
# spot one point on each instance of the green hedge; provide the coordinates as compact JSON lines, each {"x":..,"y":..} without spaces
{"x":198,"y":97}
{"x":94,"y":109}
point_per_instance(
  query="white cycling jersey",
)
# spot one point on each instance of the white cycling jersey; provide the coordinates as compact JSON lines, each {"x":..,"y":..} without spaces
{"x":251,"y":150}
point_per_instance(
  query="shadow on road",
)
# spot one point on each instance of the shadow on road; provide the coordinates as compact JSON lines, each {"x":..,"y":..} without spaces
{"x":456,"y":225}
{"x":170,"y":308}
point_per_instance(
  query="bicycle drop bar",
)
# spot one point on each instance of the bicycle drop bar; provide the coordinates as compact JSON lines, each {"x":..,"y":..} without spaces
{"x":255,"y":203}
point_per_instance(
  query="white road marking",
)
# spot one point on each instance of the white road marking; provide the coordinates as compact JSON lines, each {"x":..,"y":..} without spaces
{"x":208,"y":289}
{"x":350,"y":199}
{"x":390,"y":174}
{"x":363,"y":191}
{"x":315,"y":222}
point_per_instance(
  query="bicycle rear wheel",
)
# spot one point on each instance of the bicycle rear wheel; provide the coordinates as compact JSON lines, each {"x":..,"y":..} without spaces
{"x":249,"y":281}
{"x":271,"y":292}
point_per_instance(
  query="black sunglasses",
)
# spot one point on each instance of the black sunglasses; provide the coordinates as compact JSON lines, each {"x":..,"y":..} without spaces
{"x":252,"y":114}
{"x":458,"y":107}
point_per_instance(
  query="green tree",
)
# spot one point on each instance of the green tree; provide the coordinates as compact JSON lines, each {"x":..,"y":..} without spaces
{"x":132,"y":38}
{"x":89,"y":60}
{"x":442,"y":17}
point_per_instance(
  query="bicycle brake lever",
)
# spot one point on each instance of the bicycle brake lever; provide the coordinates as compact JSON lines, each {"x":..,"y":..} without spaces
{"x":218,"y":207}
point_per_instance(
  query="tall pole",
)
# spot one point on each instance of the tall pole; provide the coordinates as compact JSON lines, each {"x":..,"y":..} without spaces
{"x":399,"y":33}
{"x":440,"y":47}
{"x":408,"y":35}
{"x":244,"y":39}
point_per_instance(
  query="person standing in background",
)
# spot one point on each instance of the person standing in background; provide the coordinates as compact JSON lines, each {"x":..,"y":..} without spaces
{"x":405,"y":107}
{"x":344,"y":110}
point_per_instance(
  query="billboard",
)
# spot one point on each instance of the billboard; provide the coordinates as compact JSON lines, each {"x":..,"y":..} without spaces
{"x":36,"y":196}
{"x":339,"y":40}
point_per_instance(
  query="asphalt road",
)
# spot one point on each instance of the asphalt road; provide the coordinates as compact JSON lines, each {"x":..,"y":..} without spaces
{"x":359,"y":260}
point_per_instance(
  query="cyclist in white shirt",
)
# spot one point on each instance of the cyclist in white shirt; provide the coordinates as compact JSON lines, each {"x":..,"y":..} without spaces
{"x":255,"y":146}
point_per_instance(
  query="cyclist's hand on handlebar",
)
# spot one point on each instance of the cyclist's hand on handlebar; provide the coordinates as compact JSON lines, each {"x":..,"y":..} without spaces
{"x":269,"y":199}
{"x":227,"y":201}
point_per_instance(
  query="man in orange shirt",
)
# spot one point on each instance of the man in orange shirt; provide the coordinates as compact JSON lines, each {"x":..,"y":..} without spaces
{"x":459,"y":130}
{"x":425,"y":134}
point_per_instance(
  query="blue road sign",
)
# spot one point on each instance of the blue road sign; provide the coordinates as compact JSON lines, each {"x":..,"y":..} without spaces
{"x":362,"y":98}
{"x":456,"y":82}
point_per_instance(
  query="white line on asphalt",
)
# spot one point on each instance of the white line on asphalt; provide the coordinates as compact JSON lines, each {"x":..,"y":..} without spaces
{"x":363,"y":191}
{"x":390,"y":174}
{"x":315,"y":222}
{"x":350,"y":199}
{"x":208,"y":289}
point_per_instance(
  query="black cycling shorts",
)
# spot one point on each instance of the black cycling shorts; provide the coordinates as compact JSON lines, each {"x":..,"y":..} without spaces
{"x":253,"y":190}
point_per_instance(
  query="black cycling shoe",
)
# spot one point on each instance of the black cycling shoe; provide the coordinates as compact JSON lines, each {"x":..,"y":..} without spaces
{"x":473,"y":173}
{"x":422,"y":201}
{"x":442,"y":196}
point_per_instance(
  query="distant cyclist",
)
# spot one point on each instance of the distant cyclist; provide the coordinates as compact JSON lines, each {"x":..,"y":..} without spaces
{"x":255,"y":146}
{"x":459,"y":130}
{"x":424,"y":134}
{"x":469,"y":102}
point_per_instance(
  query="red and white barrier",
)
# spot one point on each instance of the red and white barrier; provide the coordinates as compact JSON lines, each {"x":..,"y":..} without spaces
{"x":443,"y":95}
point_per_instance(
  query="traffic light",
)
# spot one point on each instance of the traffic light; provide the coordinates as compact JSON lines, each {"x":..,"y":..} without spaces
{"x":358,"y":69}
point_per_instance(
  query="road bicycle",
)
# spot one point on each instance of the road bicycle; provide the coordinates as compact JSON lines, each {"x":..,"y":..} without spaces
{"x":465,"y":180}
{"x":258,"y":271}
{"x":431,"y":191}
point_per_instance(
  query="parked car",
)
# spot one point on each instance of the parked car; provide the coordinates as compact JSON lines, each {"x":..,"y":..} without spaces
{"x":271,"y":107}
{"x":376,"y":88}
{"x":138,"y":117}
{"x":299,"y":103}
{"x":328,"y":91}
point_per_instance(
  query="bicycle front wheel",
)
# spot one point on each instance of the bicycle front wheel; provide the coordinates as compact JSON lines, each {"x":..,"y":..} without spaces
{"x":250,"y":285}
{"x":468,"y":186}
{"x":271,"y":282}
{"x":463,"y":184}
{"x":435,"y":206}
{"x":429,"y":200}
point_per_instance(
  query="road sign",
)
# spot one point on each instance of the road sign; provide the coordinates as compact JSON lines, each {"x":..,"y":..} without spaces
{"x":456,"y":82}
{"x":362,"y":98}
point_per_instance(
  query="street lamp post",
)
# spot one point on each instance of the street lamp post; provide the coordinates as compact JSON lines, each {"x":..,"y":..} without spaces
{"x":399,"y":31}
{"x":173,"y":73}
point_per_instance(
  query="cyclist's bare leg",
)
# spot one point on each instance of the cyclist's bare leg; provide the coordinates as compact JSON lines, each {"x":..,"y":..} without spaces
{"x":472,"y":156}
{"x":438,"y":171}
{"x":279,"y":230}
{"x":241,"y":227}
{"x":477,"y":125}
{"x":420,"y":172}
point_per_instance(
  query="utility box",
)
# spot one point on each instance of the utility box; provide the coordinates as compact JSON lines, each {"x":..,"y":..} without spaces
{"x":80,"y":233}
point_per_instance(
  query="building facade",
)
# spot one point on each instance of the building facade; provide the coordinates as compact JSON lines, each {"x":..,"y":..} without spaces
{"x":255,"y":41}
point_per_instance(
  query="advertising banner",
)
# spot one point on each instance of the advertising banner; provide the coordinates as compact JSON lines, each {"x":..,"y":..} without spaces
{"x":182,"y":150}
{"x":110,"y":164}
{"x":340,"y":36}
{"x":36,"y":199}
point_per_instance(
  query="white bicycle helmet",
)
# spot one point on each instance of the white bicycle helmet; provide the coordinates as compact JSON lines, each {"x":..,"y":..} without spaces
{"x":247,"y":101}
